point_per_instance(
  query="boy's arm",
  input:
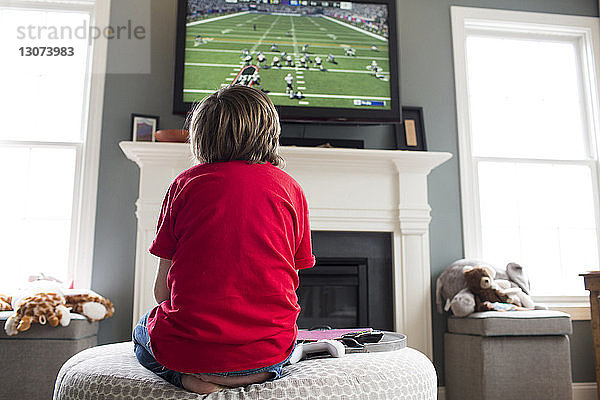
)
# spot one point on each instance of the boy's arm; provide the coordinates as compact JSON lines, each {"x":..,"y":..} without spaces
{"x":161,"y":291}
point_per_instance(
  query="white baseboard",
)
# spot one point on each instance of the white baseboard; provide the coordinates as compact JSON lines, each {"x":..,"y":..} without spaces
{"x":581,"y":391}
{"x":585,"y":391}
{"x":441,"y":393}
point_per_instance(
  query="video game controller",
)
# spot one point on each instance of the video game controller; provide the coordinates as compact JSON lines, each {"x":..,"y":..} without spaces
{"x":303,"y":350}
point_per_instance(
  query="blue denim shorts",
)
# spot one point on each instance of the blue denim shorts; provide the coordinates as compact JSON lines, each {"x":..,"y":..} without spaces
{"x":145,"y":356}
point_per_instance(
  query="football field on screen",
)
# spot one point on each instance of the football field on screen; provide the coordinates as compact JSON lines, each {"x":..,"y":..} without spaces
{"x":215,"y":59}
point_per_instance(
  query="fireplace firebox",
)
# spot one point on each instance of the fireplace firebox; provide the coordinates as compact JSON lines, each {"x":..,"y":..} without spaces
{"x":334,"y":293}
{"x":350,"y":284}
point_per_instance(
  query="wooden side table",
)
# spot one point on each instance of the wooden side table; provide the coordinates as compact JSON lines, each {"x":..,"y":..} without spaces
{"x":592,"y":283}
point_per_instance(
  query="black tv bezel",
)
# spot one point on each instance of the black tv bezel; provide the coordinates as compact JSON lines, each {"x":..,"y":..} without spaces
{"x":309,"y":114}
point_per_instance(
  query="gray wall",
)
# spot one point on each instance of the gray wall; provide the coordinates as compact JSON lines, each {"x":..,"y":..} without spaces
{"x":427,"y":80}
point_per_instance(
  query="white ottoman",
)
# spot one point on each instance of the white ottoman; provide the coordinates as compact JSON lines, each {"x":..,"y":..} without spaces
{"x":111,"y":372}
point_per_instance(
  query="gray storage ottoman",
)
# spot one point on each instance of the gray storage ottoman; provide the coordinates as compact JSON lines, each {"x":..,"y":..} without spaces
{"x":508,"y":355}
{"x":31,"y":360}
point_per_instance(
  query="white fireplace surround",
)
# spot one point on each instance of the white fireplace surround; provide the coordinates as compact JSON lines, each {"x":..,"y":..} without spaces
{"x":347,"y":190}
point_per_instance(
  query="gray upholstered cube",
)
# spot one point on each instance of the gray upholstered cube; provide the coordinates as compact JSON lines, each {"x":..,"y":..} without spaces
{"x":508,"y":355}
{"x":112,"y":372}
{"x":31,"y":360}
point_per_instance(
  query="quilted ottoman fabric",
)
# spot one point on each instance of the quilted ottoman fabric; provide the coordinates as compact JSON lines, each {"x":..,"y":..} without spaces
{"x":111,"y":372}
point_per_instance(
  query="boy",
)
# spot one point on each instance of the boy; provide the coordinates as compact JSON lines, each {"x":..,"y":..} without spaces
{"x":231,"y":236}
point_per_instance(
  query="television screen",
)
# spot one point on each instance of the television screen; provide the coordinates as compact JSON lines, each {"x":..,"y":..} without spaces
{"x":321,"y":60}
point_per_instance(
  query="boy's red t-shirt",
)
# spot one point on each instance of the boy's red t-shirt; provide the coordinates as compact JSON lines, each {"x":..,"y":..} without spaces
{"x":236,"y":234}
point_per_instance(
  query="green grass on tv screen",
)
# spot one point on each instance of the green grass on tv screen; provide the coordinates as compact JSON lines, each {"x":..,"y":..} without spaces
{"x":354,"y":70}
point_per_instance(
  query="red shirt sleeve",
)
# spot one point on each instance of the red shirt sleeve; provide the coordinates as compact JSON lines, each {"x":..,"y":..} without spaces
{"x":304,"y":257}
{"x":165,"y":242}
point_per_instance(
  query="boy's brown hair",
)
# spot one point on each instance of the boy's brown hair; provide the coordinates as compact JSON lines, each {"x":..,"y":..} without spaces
{"x":235,"y":123}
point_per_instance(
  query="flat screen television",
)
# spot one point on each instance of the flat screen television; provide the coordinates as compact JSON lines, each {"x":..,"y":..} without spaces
{"x":318,"y":60}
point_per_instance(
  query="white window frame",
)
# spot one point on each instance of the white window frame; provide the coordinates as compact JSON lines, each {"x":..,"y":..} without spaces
{"x":83,"y":215}
{"x":586,"y":30}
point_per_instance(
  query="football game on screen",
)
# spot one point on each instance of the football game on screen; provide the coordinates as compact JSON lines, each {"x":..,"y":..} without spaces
{"x":299,"y":52}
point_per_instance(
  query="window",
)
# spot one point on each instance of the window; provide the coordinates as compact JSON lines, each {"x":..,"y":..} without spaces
{"x":49,"y":139}
{"x":527,"y":106}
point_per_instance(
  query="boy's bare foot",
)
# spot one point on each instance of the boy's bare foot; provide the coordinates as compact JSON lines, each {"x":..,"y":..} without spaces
{"x":205,"y":384}
{"x":236,"y":381}
{"x":197,"y":385}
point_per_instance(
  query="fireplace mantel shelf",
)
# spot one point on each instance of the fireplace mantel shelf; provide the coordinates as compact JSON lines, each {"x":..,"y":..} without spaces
{"x":347,"y":190}
{"x":143,"y":153}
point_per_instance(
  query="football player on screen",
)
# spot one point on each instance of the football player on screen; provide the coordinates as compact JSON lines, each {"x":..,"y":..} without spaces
{"x":298,"y":95}
{"x":303,"y":62}
{"x":373,"y":67}
{"x":319,"y":63}
{"x":289,"y":80}
{"x":260,"y":57}
{"x":289,"y":62}
{"x":256,"y":82}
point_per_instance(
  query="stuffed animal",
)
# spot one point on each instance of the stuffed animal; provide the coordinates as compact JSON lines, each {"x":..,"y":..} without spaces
{"x":518,"y":296}
{"x":89,"y":304}
{"x":452,"y":293}
{"x":516,"y":275}
{"x":481,"y":283}
{"x":44,"y":302}
{"x":38,"y":308}
{"x":5,"y":303}
{"x":463,"y":303}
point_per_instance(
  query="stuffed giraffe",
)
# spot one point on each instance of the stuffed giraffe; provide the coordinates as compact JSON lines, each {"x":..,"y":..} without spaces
{"x":89,"y":304}
{"x":39,"y":308}
{"x":5,"y":303}
{"x":46,"y":302}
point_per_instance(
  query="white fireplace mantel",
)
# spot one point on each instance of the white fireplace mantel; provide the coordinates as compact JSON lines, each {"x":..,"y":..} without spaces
{"x":346,"y":189}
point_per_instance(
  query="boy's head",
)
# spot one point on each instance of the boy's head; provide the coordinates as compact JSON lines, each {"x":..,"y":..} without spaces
{"x":236,"y":123}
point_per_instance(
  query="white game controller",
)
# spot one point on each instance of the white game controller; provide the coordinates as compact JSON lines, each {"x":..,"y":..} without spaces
{"x":302,"y":350}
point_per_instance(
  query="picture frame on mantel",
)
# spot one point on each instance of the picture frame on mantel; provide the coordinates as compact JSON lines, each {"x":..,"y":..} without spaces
{"x":144,"y":127}
{"x":410,"y":135}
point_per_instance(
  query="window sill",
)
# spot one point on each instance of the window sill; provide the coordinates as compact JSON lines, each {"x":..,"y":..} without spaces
{"x":577,"y":311}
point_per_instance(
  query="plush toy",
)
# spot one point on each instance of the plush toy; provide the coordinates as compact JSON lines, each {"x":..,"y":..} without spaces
{"x":89,"y":304}
{"x":38,"y":308}
{"x":44,"y":302}
{"x":452,"y":293}
{"x":462,"y":304}
{"x":5,"y":303}
{"x":481,"y":283}
{"x":517,"y":294}
{"x":516,"y":275}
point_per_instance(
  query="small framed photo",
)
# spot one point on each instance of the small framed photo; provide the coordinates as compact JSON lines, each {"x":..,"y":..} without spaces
{"x":411,"y":134}
{"x":143,"y":127}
